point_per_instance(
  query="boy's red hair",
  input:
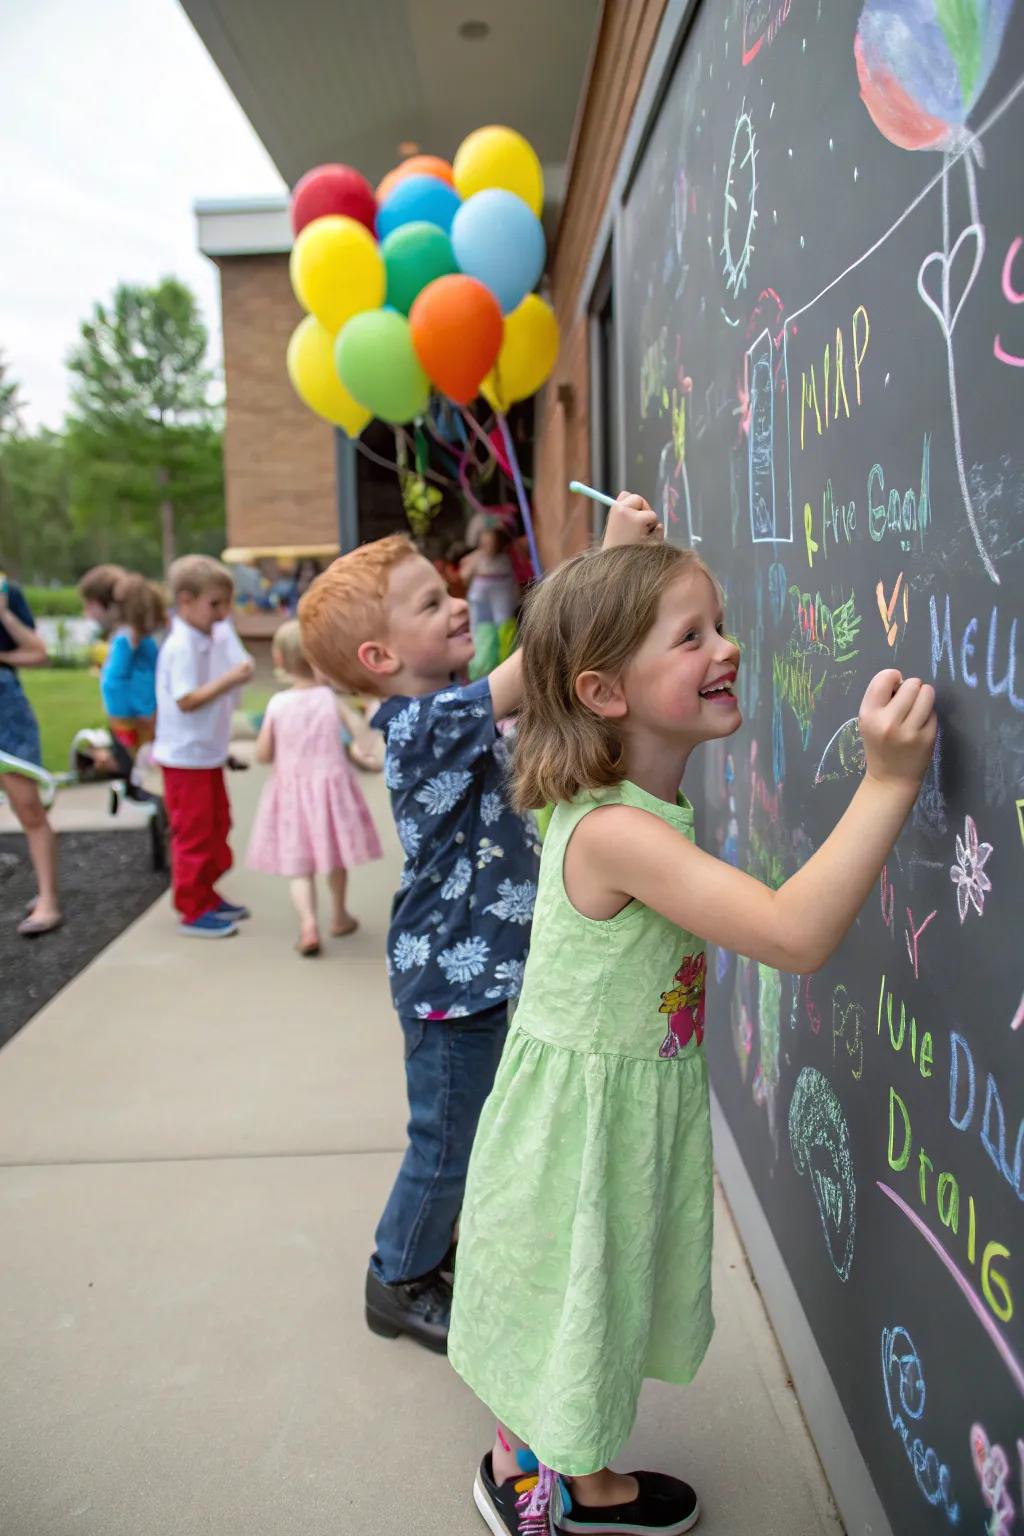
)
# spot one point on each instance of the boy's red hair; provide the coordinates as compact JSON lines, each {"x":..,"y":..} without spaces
{"x":345,"y":607}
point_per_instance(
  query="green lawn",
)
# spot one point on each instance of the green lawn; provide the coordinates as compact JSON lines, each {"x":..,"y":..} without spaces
{"x":66,"y":701}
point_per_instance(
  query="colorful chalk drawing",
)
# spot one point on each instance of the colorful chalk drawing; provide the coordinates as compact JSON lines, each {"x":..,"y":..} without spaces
{"x":912,"y":936}
{"x":819,"y":1140}
{"x":993,"y":1468}
{"x":848,"y":1028}
{"x":922,"y":68}
{"x":965,"y":1287}
{"x":740,"y":215}
{"x":905,"y":1394}
{"x":887,"y":603}
{"x":843,"y":757}
{"x":769,"y":999}
{"x":968,"y":873}
{"x":762,"y":22}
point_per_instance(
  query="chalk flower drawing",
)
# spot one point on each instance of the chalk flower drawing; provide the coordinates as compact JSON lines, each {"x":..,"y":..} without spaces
{"x":968,"y":873}
{"x":993,"y":1468}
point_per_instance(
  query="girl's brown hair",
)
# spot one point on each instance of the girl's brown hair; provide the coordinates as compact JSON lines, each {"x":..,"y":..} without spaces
{"x":589,"y":616}
{"x":140,"y":604}
{"x":99,"y":583}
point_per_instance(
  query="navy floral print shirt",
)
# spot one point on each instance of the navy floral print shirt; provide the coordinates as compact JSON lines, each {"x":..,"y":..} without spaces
{"x":460,"y":922}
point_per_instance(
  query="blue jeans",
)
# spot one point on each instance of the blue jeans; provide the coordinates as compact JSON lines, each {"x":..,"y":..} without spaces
{"x":449,"y":1071}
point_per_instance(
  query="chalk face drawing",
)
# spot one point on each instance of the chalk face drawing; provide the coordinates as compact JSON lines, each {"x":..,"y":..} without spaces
{"x":819,"y":1140}
{"x":905,"y":1396}
{"x":968,"y":873}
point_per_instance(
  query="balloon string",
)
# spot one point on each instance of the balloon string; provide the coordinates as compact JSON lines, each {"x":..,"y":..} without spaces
{"x":376,"y":458}
{"x":481,"y":434}
{"x":524,"y":505}
{"x":465,"y":458}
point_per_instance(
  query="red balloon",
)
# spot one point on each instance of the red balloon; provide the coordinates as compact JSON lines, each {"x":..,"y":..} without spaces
{"x":330,"y":189}
{"x":457,"y":330}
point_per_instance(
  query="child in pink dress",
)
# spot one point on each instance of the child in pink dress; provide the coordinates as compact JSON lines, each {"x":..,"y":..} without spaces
{"x":312,"y":818}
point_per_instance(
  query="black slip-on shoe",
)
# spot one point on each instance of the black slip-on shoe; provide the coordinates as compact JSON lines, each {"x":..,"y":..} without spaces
{"x":421,"y":1308}
{"x":664,"y":1506}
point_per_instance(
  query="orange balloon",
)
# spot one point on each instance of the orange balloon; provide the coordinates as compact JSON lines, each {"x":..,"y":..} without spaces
{"x":457,"y":330}
{"x":416,"y":165}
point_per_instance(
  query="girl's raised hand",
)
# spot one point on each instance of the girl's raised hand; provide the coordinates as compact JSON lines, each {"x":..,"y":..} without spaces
{"x":630,"y":521}
{"x":898,"y":728}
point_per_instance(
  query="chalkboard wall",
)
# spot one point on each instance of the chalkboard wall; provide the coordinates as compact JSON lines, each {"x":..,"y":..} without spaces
{"x":821,"y":285}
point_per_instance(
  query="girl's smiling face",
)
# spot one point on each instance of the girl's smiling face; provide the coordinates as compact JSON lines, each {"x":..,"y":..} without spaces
{"x":680,"y":682}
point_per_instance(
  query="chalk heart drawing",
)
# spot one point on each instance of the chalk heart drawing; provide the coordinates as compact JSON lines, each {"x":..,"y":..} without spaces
{"x":819,"y":1140}
{"x":942,"y":309}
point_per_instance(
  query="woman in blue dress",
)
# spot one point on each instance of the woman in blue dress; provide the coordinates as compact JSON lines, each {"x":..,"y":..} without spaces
{"x":21,"y":646}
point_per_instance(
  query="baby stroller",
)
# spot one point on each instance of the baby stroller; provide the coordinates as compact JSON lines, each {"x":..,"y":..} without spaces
{"x":95,"y":756}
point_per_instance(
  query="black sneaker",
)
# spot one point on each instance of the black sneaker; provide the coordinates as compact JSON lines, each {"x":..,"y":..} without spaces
{"x":507,"y":1509}
{"x":421,"y":1308}
{"x":664,"y":1506}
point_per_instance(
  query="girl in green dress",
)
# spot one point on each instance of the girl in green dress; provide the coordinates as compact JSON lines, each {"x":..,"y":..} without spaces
{"x":585,"y":1244}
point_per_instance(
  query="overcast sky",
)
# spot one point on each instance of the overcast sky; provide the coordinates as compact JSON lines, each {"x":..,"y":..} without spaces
{"x":113,"y":121}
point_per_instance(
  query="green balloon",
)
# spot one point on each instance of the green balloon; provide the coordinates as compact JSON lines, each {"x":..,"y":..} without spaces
{"x":377,"y":364}
{"x":414,"y":256}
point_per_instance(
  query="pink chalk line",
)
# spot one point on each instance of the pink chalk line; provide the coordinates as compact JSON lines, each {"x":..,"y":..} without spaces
{"x":978,"y":1307}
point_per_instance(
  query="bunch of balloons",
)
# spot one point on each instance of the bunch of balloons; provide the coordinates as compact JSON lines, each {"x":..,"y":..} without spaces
{"x":425,"y":284}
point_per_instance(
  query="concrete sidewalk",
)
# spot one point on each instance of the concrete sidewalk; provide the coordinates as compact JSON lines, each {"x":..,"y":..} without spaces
{"x":195,"y":1144}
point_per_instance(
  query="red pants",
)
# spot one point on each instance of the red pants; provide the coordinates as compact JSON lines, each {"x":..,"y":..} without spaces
{"x":200,"y":818}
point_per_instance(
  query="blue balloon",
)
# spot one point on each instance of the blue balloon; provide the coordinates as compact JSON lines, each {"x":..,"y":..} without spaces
{"x":499,"y":240}
{"x":419,"y":199}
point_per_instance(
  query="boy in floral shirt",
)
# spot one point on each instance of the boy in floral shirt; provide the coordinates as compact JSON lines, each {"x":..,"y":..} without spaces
{"x":381,"y":620}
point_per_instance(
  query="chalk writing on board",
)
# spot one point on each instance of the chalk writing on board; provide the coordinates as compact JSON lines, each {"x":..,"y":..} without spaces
{"x":1009,"y":1359}
{"x":905,"y":1394}
{"x":819,"y":1140}
{"x":1012,"y":296}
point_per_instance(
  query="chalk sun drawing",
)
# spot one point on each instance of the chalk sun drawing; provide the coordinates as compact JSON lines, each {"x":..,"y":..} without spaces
{"x":819,"y":1140}
{"x":968,"y":873}
{"x":740,"y":215}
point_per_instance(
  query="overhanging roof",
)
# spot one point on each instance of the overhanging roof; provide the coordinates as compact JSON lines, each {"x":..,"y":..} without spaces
{"x":352,"y":80}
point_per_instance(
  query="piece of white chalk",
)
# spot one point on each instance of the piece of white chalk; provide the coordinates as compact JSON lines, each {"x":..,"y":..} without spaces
{"x":588,"y":490}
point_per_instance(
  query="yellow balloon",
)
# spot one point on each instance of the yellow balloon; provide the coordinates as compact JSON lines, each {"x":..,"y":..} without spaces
{"x":337,"y":270}
{"x":499,"y":157}
{"x":528,"y":353}
{"x":315,"y":379}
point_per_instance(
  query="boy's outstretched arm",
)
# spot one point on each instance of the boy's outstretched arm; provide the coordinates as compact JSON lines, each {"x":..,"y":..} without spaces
{"x":630,"y":521}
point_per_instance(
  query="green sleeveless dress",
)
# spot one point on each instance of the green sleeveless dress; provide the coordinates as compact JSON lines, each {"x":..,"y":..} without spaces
{"x":584,"y":1261}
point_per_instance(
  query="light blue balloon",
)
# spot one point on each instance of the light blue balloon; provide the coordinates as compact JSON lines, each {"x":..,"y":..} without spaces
{"x":499,"y":240}
{"x":418,"y":199}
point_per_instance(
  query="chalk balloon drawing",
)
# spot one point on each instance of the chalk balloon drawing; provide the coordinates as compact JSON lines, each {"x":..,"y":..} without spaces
{"x":922,"y":66}
{"x":819,"y":1140}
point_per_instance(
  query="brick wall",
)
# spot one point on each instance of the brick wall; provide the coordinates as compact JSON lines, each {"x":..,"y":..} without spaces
{"x":278,"y":456}
{"x":626,"y":34}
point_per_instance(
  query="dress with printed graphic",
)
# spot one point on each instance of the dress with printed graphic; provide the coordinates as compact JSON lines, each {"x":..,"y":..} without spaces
{"x":584,"y":1259}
